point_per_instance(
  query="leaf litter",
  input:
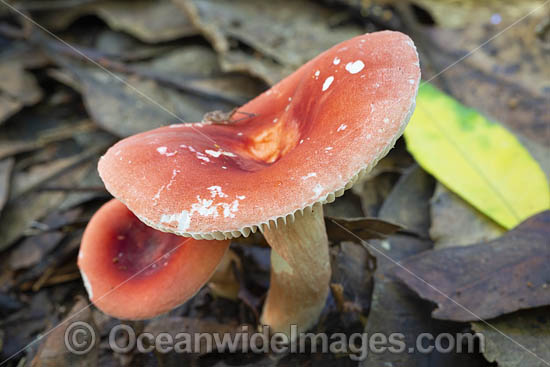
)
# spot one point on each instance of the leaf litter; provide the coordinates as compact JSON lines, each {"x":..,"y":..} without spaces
{"x":59,"y":113}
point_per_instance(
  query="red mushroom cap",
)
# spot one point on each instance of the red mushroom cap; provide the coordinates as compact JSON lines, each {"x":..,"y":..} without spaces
{"x":132,"y":271}
{"x":309,"y":139}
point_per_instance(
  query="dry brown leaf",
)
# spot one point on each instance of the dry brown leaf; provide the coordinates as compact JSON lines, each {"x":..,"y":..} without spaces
{"x":197,"y":67}
{"x":506,"y":79}
{"x":6,"y":166}
{"x":53,"y":352}
{"x":25,"y":180}
{"x":18,"y":88}
{"x":451,"y":216}
{"x":352,"y":271}
{"x":19,"y":215}
{"x":150,"y":21}
{"x":408,"y":202}
{"x":33,"y":249}
{"x":460,"y":14}
{"x":487,"y":279}
{"x":162,"y":95}
{"x":529,"y":329}
{"x":396,"y":309}
{"x":285,"y":32}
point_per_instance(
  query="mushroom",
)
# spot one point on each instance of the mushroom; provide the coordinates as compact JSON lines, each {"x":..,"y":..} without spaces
{"x":301,"y":144}
{"x":132,"y":271}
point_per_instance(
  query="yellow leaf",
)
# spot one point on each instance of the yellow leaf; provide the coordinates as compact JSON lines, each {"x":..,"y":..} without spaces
{"x":476,"y":158}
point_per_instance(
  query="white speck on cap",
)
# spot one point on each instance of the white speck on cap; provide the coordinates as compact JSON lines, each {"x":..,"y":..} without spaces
{"x":355,"y":67}
{"x":216,"y":191}
{"x":328,"y":82}
{"x":164,"y":151}
{"x":218,"y":153}
{"x":336,"y":60}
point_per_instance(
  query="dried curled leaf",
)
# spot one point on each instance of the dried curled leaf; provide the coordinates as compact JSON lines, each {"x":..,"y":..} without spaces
{"x":149,"y":21}
{"x":286,"y":33}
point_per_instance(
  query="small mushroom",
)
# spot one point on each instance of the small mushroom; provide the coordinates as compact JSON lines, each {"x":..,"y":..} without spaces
{"x":132,"y":271}
{"x":300,"y":145}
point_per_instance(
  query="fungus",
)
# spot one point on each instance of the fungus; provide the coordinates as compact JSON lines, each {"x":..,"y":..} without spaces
{"x":301,"y":144}
{"x":132,"y":271}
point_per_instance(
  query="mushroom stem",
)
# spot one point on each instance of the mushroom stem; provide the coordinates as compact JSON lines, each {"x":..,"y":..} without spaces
{"x":300,"y":271}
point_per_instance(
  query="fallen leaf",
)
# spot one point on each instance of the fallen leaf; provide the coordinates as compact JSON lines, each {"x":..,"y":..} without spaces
{"x":459,"y":14}
{"x":488,"y":279}
{"x":158,"y":97}
{"x":22,"y":326}
{"x":396,"y":309}
{"x":197,"y":67}
{"x":506,"y":79}
{"x":268,"y":28}
{"x":476,"y":158}
{"x":375,"y":186}
{"x":18,"y":88}
{"x":255,"y":65}
{"x":81,"y":195}
{"x":397,"y":161}
{"x":33,"y":249}
{"x":6,"y":166}
{"x":352,"y":270}
{"x":32,"y":130}
{"x":53,"y":351}
{"x":374,"y":190}
{"x":149,"y":21}
{"x":122,"y":111}
{"x":451,"y":215}
{"x":25,"y":180}
{"x":508,"y":337}
{"x":18,"y":215}
{"x":288,"y":32}
{"x":347,"y":206}
{"x":364,"y":228}
{"x":407,"y":203}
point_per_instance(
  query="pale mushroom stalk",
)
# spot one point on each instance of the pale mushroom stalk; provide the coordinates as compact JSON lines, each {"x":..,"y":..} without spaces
{"x":300,"y":271}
